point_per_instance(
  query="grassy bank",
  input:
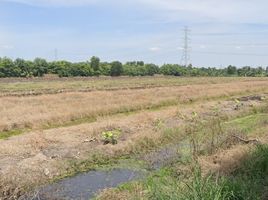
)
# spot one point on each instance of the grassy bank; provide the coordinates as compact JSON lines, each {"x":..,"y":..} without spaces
{"x":185,"y":179}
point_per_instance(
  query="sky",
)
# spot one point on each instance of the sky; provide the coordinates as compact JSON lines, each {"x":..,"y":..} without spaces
{"x":221,"y":32}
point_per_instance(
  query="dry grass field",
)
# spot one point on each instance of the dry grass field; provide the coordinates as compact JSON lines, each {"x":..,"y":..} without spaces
{"x":53,"y":128}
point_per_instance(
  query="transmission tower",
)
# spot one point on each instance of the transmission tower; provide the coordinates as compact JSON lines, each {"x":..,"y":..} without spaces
{"x":185,"y":59}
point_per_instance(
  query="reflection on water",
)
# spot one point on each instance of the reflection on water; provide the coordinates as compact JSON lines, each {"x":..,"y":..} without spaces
{"x":85,"y":186}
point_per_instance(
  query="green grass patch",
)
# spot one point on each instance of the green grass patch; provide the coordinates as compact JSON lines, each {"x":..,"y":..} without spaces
{"x":248,"y":182}
{"x":248,"y":123}
{"x":73,"y":122}
{"x":7,"y":134}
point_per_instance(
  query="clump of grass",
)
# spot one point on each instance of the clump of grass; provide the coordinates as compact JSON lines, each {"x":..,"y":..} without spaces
{"x":165,"y":184}
{"x":94,"y":161}
{"x":7,"y":134}
{"x":162,"y":185}
{"x":111,"y":137}
{"x":251,"y":179}
{"x":205,"y":188}
{"x":248,"y":182}
{"x":158,"y":124}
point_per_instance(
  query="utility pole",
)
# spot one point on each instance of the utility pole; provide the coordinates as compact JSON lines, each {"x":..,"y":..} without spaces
{"x":185,"y":59}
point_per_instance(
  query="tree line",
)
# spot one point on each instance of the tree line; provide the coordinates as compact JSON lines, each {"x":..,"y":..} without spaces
{"x":94,"y":67}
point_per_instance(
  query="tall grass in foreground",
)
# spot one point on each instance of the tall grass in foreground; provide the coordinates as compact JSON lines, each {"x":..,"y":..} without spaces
{"x":246,"y":183}
{"x":165,"y":186}
{"x":250,"y":181}
{"x":205,"y":188}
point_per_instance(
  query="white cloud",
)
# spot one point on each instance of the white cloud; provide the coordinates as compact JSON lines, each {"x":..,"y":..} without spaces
{"x":54,"y":2}
{"x":246,"y":11}
{"x":6,"y":46}
{"x":216,"y":25}
{"x":154,"y":49}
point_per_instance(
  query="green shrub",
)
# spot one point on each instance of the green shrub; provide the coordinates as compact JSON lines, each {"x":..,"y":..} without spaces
{"x":111,"y":137}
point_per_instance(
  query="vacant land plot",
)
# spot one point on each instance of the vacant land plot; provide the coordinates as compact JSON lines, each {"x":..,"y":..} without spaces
{"x":63,"y":127}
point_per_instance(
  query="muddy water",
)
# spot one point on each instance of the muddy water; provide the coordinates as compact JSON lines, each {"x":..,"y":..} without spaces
{"x":85,"y":186}
{"x":167,"y":155}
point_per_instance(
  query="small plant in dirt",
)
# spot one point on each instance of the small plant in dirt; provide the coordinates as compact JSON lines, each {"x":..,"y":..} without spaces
{"x":216,"y":111}
{"x":238,"y":104}
{"x":159,"y":123}
{"x":111,"y":137}
{"x":194,"y":114}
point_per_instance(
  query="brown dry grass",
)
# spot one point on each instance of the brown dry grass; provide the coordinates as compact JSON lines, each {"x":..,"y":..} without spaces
{"x":32,"y":154}
{"x":26,"y":159}
{"x":225,"y":161}
{"x":47,"y":85}
{"x":37,"y":111}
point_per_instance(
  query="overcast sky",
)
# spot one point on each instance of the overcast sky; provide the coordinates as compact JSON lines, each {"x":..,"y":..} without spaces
{"x":222,"y":32}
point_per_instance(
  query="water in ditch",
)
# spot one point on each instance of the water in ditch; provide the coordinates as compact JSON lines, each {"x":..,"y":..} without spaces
{"x":85,"y":186}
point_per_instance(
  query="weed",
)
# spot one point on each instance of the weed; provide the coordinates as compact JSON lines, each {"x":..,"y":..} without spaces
{"x":111,"y":137}
{"x":7,"y":134}
{"x":159,"y":123}
{"x":205,"y":188}
{"x":250,"y":180}
{"x":238,"y":104}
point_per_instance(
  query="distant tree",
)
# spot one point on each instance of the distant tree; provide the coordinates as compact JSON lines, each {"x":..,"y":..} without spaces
{"x":24,"y":67}
{"x":132,"y":63}
{"x":95,"y":63}
{"x":231,"y":70}
{"x":172,"y":70}
{"x":116,"y":68}
{"x":8,"y":69}
{"x":81,"y":69}
{"x":40,"y":67}
{"x":140,"y":63}
{"x":151,"y":69}
{"x":105,"y":69}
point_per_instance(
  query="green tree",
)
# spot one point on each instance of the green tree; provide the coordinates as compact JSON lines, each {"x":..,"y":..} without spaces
{"x":95,"y":63}
{"x":8,"y":69}
{"x":140,"y":63}
{"x":24,"y":67}
{"x":231,"y":70}
{"x":172,"y":70}
{"x":116,"y":68}
{"x":40,"y":67}
{"x":105,"y":69}
{"x":151,"y":69}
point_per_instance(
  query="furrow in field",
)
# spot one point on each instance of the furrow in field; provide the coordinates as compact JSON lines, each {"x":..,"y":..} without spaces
{"x":33,"y":87}
{"x":59,"y":109}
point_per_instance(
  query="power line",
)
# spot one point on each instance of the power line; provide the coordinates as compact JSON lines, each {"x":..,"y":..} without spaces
{"x":185,"y":59}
